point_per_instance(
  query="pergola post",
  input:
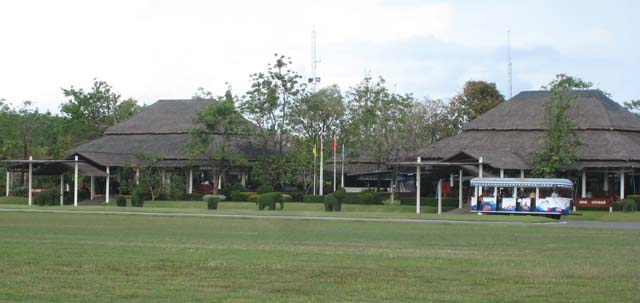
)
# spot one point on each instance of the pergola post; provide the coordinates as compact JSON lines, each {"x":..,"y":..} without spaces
{"x":190,"y":182}
{"x":92,"y":188}
{"x":8,"y":183}
{"x":622,"y":184}
{"x":106,"y":187}
{"x":75,"y":182}
{"x":522,"y":173}
{"x":30,"y":180}
{"x":62,"y":190}
{"x":502,"y":173}
{"x":460,"y":190}
{"x":584,"y":184}
{"x":418,"y":186}
{"x":439,"y":196}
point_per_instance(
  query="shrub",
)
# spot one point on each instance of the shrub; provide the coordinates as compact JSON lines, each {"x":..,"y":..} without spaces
{"x":49,"y":197}
{"x":287,"y":198}
{"x":617,"y":205}
{"x":635,"y":198}
{"x":238,"y":196}
{"x":254,"y":198}
{"x":212,"y":201}
{"x":269,"y":201}
{"x":121,"y":201}
{"x":263,"y":189}
{"x":191,"y":197}
{"x":329,"y":202}
{"x":137,"y":197}
{"x":313,"y":199}
{"x":369,"y":197}
{"x":629,"y":205}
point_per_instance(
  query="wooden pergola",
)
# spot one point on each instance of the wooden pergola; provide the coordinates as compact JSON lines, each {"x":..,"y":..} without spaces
{"x":57,"y":167}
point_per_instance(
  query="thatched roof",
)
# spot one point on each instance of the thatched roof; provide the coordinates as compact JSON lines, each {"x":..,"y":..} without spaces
{"x":163,"y":129}
{"x":508,"y":135}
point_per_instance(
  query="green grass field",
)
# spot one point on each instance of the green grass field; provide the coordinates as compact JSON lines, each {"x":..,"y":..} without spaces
{"x":48,"y":257}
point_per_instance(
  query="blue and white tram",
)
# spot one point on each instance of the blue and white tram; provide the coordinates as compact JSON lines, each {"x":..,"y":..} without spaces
{"x":535,"y":196}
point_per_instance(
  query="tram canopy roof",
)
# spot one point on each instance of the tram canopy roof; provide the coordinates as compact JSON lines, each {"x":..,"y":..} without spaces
{"x":521,"y":182}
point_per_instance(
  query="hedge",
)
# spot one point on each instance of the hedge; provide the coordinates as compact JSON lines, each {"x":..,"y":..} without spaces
{"x":429,"y":201}
{"x":269,"y":201}
{"x":263,"y":189}
{"x":635,"y":198}
{"x":313,"y":199}
{"x":629,"y":205}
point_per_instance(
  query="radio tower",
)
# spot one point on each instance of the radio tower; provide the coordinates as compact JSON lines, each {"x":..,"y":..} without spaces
{"x":314,"y":62}
{"x":509,"y":58}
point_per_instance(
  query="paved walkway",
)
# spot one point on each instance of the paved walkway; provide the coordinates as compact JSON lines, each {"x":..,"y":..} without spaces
{"x":586,"y":224}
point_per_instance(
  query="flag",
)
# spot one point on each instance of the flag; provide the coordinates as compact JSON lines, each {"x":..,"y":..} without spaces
{"x":333,"y":145}
{"x":315,"y":153}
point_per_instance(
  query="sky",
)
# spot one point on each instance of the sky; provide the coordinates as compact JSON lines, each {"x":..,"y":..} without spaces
{"x":155,"y":49}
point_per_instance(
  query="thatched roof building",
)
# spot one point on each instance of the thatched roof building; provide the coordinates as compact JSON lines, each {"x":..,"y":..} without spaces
{"x":507,"y":137}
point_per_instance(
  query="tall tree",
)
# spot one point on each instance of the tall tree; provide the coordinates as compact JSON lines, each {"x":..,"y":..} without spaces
{"x":558,"y":154}
{"x":90,"y":113}
{"x":476,"y":98}
{"x":267,"y":105}
{"x":220,"y":125}
{"x":633,"y":106}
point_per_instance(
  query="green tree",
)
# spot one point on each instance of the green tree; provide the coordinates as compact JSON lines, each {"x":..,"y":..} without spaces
{"x":476,"y":98}
{"x":150,"y":177}
{"x":267,"y":105}
{"x":90,"y":113}
{"x":633,"y":106}
{"x":558,"y":154}
{"x":221,"y":126}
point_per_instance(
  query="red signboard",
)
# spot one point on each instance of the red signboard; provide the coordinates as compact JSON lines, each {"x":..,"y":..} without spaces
{"x":594,"y":202}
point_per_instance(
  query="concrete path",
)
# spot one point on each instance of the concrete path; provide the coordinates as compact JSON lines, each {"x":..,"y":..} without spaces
{"x":585,"y":224}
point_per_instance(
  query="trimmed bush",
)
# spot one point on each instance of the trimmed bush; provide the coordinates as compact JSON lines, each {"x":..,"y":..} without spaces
{"x":220,"y":197}
{"x":617,"y":206}
{"x":269,"y":201}
{"x":137,"y":197}
{"x":121,"y":201}
{"x":263,"y":189}
{"x":287,"y":198}
{"x":635,"y":198}
{"x":329,"y":202}
{"x":212,"y":201}
{"x":254,"y":199}
{"x":313,"y":199}
{"x":629,"y":205}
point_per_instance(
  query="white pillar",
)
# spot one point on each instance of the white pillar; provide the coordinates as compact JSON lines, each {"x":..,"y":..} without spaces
{"x":522,"y":173}
{"x":8,"y":182}
{"x":30,"y":180}
{"x":163,"y":179}
{"x":106,"y":190}
{"x":480,"y":166}
{"x":220,"y":180}
{"x":92,"y":188}
{"x":621,"y":184}
{"x":190,"y":184}
{"x":418,"y":187}
{"x":243,"y":180}
{"x":75,"y":182}
{"x":584,"y":184}
{"x":62,"y":190}
{"x":460,"y":190}
{"x":502,"y":173}
{"x":605,"y":181}
{"x":137,"y":176}
{"x":439,"y":196}
{"x":451,"y":180}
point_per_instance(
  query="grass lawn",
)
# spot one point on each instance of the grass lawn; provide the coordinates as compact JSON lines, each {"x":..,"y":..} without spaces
{"x":49,"y":257}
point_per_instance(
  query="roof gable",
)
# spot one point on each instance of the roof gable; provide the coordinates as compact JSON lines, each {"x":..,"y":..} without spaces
{"x":162,"y":117}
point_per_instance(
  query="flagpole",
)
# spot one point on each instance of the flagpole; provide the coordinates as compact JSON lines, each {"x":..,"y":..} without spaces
{"x":342,"y":169}
{"x":315,"y":156}
{"x":334,"y":143}
{"x":320,"y":189}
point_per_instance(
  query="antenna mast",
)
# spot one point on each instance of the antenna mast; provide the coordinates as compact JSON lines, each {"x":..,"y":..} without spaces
{"x":509,"y":58}
{"x":314,"y":62}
